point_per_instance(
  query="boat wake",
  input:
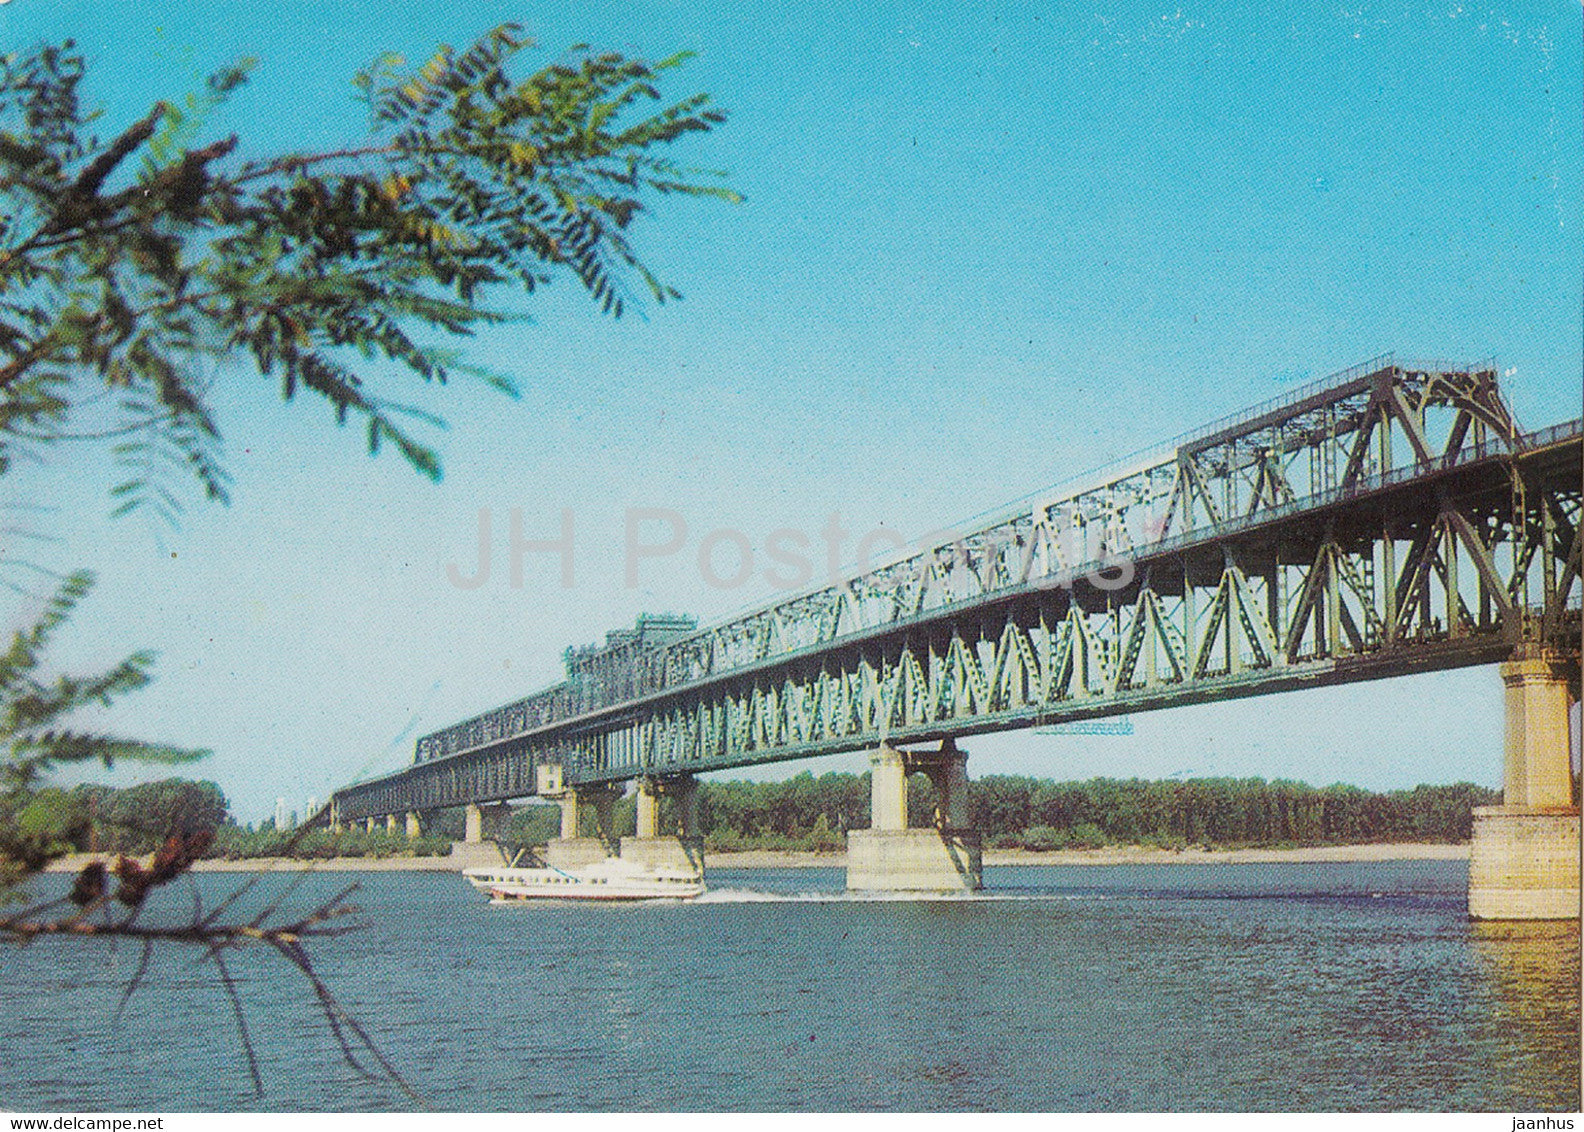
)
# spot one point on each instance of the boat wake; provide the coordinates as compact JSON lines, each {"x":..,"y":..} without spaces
{"x":754,"y":896}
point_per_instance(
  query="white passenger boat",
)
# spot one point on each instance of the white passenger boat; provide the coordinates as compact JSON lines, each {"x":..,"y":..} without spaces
{"x":610,"y":879}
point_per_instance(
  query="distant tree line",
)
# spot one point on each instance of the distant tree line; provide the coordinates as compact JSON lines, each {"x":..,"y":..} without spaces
{"x":814,"y":814}
{"x":139,"y":819}
{"x":235,"y":843}
{"x":1038,"y":814}
{"x":1035,"y":813}
{"x":134,"y":820}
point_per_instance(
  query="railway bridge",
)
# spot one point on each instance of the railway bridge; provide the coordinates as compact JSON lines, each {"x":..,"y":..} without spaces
{"x":1390,"y":519}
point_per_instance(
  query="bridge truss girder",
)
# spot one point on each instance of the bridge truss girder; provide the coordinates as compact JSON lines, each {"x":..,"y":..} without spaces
{"x":1394,"y":521}
{"x":1362,"y":594}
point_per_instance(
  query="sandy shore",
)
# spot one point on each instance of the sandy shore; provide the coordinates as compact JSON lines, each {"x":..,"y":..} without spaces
{"x":1128,"y":855}
{"x":1139,"y":855}
{"x":775,"y":859}
{"x":780,"y":859}
{"x":75,"y":861}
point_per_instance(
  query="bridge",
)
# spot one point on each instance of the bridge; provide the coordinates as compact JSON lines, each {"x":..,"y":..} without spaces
{"x":1390,"y":519}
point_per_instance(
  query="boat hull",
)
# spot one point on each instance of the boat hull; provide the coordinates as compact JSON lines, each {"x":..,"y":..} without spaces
{"x":603,"y":885}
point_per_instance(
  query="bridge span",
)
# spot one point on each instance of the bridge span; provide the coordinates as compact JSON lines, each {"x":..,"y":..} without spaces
{"x":1390,"y":519}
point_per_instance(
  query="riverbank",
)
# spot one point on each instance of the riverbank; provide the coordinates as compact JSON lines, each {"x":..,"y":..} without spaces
{"x":1127,"y":855}
{"x":784,"y":859}
{"x":75,"y":861}
{"x":1308,"y":855}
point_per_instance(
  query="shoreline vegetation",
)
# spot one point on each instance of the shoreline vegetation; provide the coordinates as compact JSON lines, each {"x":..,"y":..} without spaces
{"x":803,"y":821}
{"x":792,"y":859}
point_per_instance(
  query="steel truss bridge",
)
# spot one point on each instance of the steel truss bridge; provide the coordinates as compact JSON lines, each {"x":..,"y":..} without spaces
{"x":1390,"y":519}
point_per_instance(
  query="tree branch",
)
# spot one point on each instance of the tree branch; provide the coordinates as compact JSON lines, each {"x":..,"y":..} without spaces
{"x":87,"y":184}
{"x":285,"y":939}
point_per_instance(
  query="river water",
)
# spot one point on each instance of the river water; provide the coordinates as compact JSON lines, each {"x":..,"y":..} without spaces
{"x":1210,"y":987}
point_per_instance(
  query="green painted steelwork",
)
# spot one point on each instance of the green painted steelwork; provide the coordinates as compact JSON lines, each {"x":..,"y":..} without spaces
{"x":1392,"y":519}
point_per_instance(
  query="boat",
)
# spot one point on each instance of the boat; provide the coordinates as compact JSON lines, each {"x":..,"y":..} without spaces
{"x":611,"y":879}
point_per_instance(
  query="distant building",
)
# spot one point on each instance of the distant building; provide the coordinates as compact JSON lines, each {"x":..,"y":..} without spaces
{"x":280,"y":813}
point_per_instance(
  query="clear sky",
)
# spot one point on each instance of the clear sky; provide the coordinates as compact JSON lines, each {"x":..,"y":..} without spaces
{"x":984,"y":247}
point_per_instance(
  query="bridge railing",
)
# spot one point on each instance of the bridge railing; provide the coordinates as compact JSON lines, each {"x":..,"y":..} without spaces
{"x":1545,"y":437}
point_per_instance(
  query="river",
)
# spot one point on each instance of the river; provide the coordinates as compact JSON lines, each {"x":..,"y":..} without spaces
{"x":1210,"y":987}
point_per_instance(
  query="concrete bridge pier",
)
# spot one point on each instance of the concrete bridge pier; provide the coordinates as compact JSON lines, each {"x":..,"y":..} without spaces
{"x":481,"y":823}
{"x":571,"y":850}
{"x":1524,"y":862}
{"x":678,"y":847}
{"x":889,"y":856}
{"x":473,"y":825}
{"x":368,"y":825}
{"x":646,"y":809}
{"x":414,"y":824}
{"x":390,"y":823}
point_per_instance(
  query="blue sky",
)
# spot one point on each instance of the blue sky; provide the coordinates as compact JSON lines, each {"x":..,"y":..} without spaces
{"x":983,"y":248}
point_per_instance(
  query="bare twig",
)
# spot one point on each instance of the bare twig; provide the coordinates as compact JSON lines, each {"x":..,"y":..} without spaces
{"x":242,"y":889}
{"x":136,"y":980}
{"x":241,"y":1019}
{"x":334,"y":1010}
{"x":92,"y":918}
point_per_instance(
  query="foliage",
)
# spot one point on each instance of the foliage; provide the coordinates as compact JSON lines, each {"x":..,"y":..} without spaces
{"x":35,"y":737}
{"x":529,"y":826}
{"x":812,"y":814}
{"x":139,"y":818}
{"x":232,"y":842}
{"x":754,"y":811}
{"x":1037,"y":813}
{"x":801,"y":813}
{"x":144,"y":263}
{"x":135,"y":268}
{"x":54,"y":821}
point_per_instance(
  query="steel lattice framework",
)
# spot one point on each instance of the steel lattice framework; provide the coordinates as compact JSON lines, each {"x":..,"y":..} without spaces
{"x":1390,"y":519}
